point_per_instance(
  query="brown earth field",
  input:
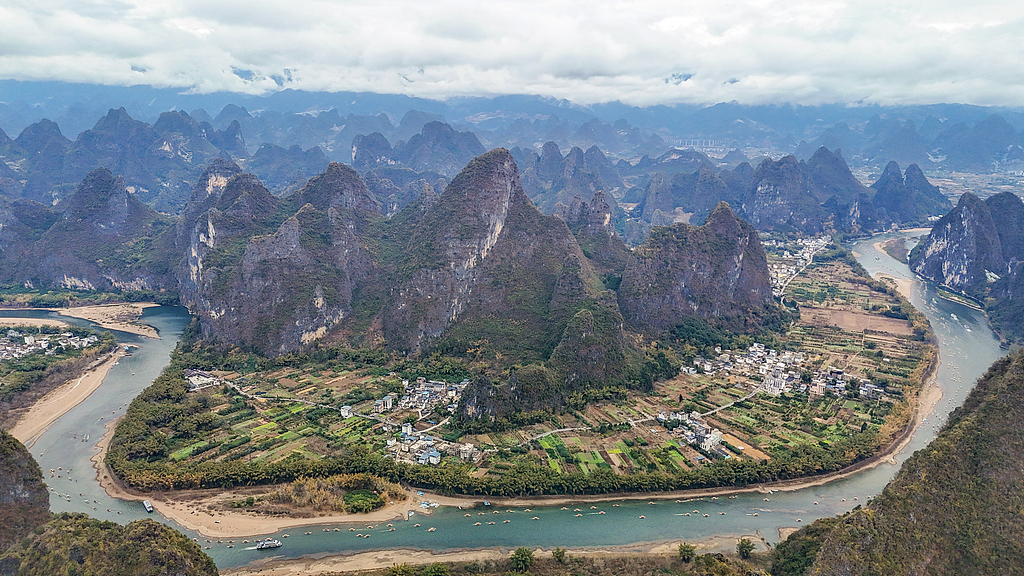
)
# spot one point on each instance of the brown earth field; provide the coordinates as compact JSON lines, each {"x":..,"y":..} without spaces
{"x":855,"y":321}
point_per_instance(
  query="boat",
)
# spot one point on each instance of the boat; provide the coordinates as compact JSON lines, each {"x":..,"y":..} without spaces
{"x":147,"y":506}
{"x":268,"y":544}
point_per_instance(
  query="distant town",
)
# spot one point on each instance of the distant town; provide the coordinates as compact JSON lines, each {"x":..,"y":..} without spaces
{"x":16,"y":344}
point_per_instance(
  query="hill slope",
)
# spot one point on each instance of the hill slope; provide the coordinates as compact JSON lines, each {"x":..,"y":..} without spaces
{"x":24,"y":501}
{"x":77,"y":544}
{"x":955,"y":507}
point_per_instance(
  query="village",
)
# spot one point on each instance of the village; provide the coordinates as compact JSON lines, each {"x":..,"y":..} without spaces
{"x":761,"y":370}
{"x":16,"y":344}
{"x":396,"y":416}
{"x":785,"y":264}
{"x":833,"y":374}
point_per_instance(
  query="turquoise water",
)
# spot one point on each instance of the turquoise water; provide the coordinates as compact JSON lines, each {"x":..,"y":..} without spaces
{"x":966,"y":348}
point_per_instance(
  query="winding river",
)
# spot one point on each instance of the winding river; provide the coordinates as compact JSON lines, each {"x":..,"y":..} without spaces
{"x":966,"y":348}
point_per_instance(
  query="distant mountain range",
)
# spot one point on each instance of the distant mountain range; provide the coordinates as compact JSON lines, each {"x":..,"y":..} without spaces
{"x":941,"y":136}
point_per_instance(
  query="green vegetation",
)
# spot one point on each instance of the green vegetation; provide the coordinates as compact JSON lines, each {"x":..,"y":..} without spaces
{"x":342,"y":493}
{"x":954,"y":507}
{"x":744,"y":548}
{"x":75,"y":544}
{"x":26,"y":379}
{"x":522,"y":559}
{"x":623,"y":564}
{"x":16,"y":295}
{"x":24,"y":501}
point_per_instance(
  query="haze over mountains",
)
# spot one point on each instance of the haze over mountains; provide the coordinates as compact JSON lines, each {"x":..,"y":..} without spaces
{"x":160,"y":162}
{"x":949,"y":135}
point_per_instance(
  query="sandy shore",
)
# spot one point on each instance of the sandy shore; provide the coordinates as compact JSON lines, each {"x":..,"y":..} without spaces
{"x":31,"y":322}
{"x":903,"y":285}
{"x":49,"y":408}
{"x":123,"y":317}
{"x":385,"y":558}
{"x":199,"y":510}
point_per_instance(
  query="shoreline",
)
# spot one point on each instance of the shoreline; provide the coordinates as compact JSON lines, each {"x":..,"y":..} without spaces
{"x":33,"y":322}
{"x":37,"y":420}
{"x":122,"y":317}
{"x":385,"y":558}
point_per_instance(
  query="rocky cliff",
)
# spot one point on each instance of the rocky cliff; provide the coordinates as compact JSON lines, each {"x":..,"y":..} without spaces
{"x":978,"y":248}
{"x":907,"y":199}
{"x":717,"y":272}
{"x":101,"y":237}
{"x":964,"y":250}
{"x":484,"y":261}
{"x":263,"y":274}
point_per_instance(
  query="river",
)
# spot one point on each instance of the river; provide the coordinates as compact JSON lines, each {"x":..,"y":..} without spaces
{"x":966,"y":348}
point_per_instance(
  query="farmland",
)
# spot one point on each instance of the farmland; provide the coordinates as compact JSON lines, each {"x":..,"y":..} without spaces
{"x":837,"y":384}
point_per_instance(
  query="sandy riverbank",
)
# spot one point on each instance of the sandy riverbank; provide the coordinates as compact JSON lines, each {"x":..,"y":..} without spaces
{"x":123,"y":317}
{"x":378,"y":559}
{"x":903,"y":285}
{"x":60,"y":401}
{"x":34,"y":322}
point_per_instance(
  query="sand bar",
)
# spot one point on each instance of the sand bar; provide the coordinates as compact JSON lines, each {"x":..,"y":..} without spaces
{"x":60,"y":401}
{"x":34,"y":322}
{"x":378,"y":559}
{"x":123,"y":317}
{"x":903,"y":285}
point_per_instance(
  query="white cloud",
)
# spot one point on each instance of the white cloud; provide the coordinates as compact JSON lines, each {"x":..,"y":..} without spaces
{"x":655,"y":51}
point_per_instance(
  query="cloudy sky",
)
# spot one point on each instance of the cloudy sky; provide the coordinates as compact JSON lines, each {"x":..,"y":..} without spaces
{"x":639,"y":52}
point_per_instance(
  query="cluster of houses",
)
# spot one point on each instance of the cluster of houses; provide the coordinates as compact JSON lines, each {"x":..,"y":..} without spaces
{"x":422,"y":448}
{"x":782,"y":272}
{"x":423,"y":395}
{"x":198,"y":379}
{"x":835,"y":381}
{"x":15,"y":344}
{"x":695,"y":431}
{"x":778,"y":373}
{"x":775,"y":369}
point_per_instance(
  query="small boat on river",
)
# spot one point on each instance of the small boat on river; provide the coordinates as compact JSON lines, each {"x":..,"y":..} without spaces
{"x":268,"y":544}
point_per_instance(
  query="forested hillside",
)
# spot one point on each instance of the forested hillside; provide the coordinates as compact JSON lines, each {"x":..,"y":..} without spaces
{"x":955,"y":507}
